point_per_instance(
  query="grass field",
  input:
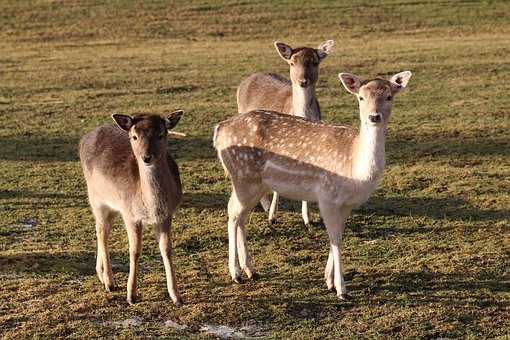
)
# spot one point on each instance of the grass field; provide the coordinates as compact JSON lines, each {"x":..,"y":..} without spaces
{"x":428,"y":255}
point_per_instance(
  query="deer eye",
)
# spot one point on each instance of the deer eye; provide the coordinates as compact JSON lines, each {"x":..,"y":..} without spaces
{"x":135,"y":138}
{"x":389,"y":98}
{"x":361,"y":98}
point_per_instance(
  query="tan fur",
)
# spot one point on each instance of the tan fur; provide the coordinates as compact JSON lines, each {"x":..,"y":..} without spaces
{"x":273,"y":92}
{"x":336,"y":166}
{"x":120,"y":182}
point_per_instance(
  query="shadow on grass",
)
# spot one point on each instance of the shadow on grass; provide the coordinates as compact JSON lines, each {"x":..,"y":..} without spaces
{"x":74,"y":263}
{"x":400,"y":289}
{"x":191,"y":148}
{"x":441,"y":209}
{"x":39,"y":149}
{"x":215,"y":201}
{"x":427,"y":281}
{"x":66,"y":149}
{"x":450,"y":209}
{"x":41,"y":200}
{"x":71,"y":263}
{"x":457,"y":150}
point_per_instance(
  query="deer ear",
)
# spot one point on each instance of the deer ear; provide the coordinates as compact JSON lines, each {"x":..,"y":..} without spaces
{"x":325,"y":48}
{"x":123,"y":121}
{"x":172,"y":119}
{"x":351,"y":82}
{"x":284,"y":50}
{"x":399,"y":81}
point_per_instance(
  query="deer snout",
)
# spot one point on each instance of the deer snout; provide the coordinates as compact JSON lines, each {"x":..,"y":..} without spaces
{"x":375,"y":118}
{"x":304,"y":82}
{"x":147,"y":159}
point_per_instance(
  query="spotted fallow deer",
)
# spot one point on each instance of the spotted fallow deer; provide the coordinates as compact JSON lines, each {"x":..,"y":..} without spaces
{"x":129,"y":171}
{"x":296,"y":97}
{"x":336,"y":166}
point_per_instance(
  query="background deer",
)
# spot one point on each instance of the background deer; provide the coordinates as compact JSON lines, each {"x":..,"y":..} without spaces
{"x":296,"y":97}
{"x":129,"y":171}
{"x":336,"y":166}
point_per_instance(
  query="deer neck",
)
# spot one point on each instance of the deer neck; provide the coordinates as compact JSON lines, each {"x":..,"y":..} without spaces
{"x":304,"y":103}
{"x":154,"y":190}
{"x":369,"y":157}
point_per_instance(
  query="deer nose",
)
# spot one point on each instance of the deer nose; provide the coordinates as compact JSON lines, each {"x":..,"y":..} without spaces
{"x":375,"y":118}
{"x":303,"y":82}
{"x":147,"y":159}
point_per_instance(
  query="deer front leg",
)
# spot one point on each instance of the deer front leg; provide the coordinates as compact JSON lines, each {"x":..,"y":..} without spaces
{"x":163,"y":236}
{"x":335,"y":218}
{"x":134,"y":230}
{"x":104,"y":218}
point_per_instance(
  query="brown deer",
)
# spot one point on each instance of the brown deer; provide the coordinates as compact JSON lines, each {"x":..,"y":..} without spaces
{"x":129,"y":171}
{"x":296,"y":97}
{"x":336,"y":166}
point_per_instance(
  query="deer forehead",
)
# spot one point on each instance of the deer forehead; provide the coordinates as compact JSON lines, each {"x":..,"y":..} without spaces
{"x":304,"y":55}
{"x":375,"y":88}
{"x":148,"y":125}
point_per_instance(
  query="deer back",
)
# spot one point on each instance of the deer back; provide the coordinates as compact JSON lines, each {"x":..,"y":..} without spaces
{"x":249,"y":141}
{"x":265,"y":91}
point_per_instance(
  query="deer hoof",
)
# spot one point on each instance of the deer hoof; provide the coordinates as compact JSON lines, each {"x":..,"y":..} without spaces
{"x":253,"y":275}
{"x":178,"y":302}
{"x":344,"y":296}
{"x":109,"y":287}
{"x":131,"y":300}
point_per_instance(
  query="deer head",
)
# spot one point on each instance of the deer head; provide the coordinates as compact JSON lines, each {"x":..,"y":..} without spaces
{"x":304,"y":61}
{"x":148,"y":134}
{"x":375,"y":96}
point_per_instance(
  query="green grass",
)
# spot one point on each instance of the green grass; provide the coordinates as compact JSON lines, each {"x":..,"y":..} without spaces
{"x":427,"y":256}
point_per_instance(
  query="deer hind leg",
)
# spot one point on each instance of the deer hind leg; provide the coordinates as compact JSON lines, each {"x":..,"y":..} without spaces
{"x":265,"y":203}
{"x":163,"y":236}
{"x":329,"y":272}
{"x":245,"y":260}
{"x":304,"y":212}
{"x":335,"y":218}
{"x":238,"y":212}
{"x":134,"y":231}
{"x":104,"y":217}
{"x":274,"y":207}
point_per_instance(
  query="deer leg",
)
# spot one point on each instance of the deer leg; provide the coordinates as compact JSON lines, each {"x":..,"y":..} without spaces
{"x":104,"y":217}
{"x":234,"y":211}
{"x":329,"y":271}
{"x":134,"y":230}
{"x":304,"y":212}
{"x":244,"y":257}
{"x":265,"y":203}
{"x":163,"y":236}
{"x":238,"y":212}
{"x":274,"y":207}
{"x":335,"y":218}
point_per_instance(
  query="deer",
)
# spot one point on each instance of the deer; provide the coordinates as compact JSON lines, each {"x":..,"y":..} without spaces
{"x":295,"y":97}
{"x":128,"y":171}
{"x":336,"y":166}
